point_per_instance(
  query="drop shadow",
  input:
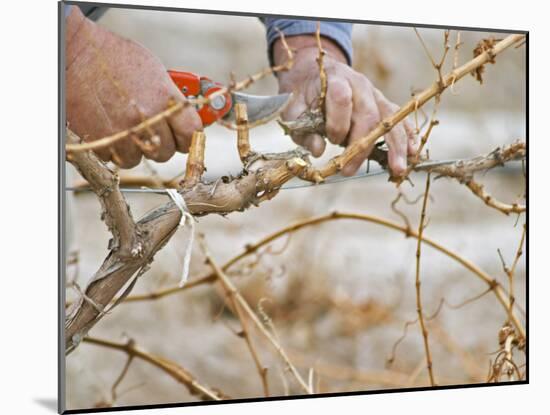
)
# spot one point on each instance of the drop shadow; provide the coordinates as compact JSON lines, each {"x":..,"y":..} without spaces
{"x":48,"y":403}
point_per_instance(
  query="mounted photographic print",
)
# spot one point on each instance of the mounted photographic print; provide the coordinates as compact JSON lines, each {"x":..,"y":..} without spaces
{"x":259,"y":206}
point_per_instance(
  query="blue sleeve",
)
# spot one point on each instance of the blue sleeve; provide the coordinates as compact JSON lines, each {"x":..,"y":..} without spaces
{"x":338,"y":32}
{"x":91,"y":12}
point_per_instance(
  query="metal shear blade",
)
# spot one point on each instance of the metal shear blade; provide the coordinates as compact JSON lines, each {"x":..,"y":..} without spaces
{"x":259,"y":108}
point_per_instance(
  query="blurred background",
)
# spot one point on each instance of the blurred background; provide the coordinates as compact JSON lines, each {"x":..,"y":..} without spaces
{"x":339,"y":293}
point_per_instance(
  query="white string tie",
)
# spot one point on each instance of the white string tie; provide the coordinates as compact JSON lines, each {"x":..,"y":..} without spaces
{"x":186,"y":219}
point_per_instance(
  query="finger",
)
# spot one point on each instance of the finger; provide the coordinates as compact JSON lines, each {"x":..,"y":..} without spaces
{"x":339,"y":108}
{"x":296,"y":108}
{"x":413,"y":140}
{"x":104,"y":129}
{"x":353,"y":165}
{"x":315,"y":144}
{"x":184,"y":122}
{"x":124,"y":153}
{"x":182,"y":125}
{"x":366,"y":116}
{"x":128,"y":153}
{"x":103,"y":153}
{"x":397,"y":155}
{"x":359,"y":128}
{"x":162,"y":145}
{"x":396,"y":139}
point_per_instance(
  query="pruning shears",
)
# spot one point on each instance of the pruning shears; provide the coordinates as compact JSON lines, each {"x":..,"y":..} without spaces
{"x":221,"y":107}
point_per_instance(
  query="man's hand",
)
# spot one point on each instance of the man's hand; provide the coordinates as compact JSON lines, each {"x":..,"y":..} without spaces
{"x":113,"y":86}
{"x":353,"y":105}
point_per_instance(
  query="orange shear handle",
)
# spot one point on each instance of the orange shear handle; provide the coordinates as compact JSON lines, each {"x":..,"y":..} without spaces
{"x":192,"y":85}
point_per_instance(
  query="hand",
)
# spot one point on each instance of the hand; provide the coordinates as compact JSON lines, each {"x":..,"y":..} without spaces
{"x":353,"y":105}
{"x":113,"y":86}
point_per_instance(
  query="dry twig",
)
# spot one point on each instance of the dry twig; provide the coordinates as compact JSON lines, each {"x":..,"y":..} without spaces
{"x":135,"y":244}
{"x":478,"y":190}
{"x":243,"y":140}
{"x":471,"y":365}
{"x":322,"y":72}
{"x":231,"y":293}
{"x":423,"y":329}
{"x":510,"y":272}
{"x":493,"y":284}
{"x":173,"y":369}
{"x":437,"y":65}
{"x":504,"y":362}
{"x":314,"y":124}
{"x":458,"y":43}
{"x":462,"y":170}
{"x":241,"y":302}
{"x":173,"y":108}
{"x":195,"y":160}
{"x":120,"y":377}
{"x":431,"y":318}
{"x":127,"y":245}
{"x":364,"y":379}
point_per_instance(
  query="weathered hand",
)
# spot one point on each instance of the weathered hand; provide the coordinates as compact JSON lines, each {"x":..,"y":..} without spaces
{"x":353,"y":105}
{"x":112,"y":84}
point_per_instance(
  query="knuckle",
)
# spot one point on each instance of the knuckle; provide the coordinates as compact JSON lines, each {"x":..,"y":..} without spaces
{"x":362,"y":81}
{"x":384,"y":105}
{"x":339,"y":93}
{"x":336,"y":131}
{"x":371,"y":119}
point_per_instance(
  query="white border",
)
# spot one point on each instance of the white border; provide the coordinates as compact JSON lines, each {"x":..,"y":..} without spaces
{"x":29,"y":211}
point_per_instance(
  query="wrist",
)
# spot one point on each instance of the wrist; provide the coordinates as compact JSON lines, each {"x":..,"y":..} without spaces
{"x":300,"y":43}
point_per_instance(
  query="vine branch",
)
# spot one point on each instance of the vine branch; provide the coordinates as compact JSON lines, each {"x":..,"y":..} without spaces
{"x":313,"y":123}
{"x":423,"y":328}
{"x":241,"y":303}
{"x":134,"y":244}
{"x":171,"y":368}
{"x":493,"y":284}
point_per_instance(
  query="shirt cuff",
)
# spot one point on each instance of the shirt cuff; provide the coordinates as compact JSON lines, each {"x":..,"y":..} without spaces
{"x":91,"y":12}
{"x":340,"y":33}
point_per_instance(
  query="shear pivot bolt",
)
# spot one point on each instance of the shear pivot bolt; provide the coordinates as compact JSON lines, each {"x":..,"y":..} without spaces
{"x":218,"y":102}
